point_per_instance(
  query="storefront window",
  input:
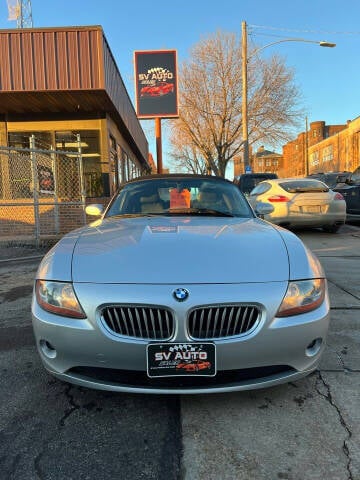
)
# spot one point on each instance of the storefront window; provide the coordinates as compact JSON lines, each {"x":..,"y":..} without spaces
{"x":20,"y":169}
{"x":42,"y":140}
{"x":96,"y":177}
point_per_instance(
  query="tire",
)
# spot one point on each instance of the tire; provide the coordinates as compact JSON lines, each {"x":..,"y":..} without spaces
{"x":331,"y":228}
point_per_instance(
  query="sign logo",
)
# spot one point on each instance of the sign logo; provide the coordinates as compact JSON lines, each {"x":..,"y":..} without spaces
{"x":156,"y":83}
{"x":180,"y":294}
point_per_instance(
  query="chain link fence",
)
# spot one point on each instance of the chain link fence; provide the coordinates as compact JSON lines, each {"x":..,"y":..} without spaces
{"x":42,"y":194}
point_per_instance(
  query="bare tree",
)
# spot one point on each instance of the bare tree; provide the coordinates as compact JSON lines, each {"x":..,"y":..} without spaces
{"x":186,"y":156}
{"x":210,"y":88}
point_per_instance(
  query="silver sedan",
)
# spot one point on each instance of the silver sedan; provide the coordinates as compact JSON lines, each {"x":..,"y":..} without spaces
{"x":178,"y":287}
{"x":301,"y":202}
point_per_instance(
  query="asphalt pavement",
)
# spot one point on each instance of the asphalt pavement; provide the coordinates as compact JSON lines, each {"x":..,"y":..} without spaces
{"x":305,"y":430}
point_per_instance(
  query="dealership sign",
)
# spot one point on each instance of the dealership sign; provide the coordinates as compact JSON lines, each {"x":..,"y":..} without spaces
{"x":156,"y":84}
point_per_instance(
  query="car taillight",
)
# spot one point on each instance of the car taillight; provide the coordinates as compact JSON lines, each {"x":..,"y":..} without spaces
{"x":279,"y":198}
{"x":338,"y":196}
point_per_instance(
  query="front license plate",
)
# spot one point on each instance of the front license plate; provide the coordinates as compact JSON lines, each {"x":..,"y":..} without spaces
{"x":181,"y":359}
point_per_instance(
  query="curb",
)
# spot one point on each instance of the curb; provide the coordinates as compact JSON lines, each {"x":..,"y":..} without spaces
{"x":21,"y":259}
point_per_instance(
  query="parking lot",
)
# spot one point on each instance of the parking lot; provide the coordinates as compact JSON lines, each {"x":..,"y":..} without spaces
{"x":304,"y":430}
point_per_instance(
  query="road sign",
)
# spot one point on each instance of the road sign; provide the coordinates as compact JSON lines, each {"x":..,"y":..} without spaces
{"x":248,"y":169}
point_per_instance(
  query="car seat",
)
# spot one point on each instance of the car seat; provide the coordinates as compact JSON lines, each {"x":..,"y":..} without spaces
{"x":210,"y":199}
{"x":151,"y":204}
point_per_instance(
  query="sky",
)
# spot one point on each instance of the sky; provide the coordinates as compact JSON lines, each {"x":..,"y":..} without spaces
{"x":328,"y":78}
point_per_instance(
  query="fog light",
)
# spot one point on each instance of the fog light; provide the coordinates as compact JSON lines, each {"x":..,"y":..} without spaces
{"x":314,"y":347}
{"x":47,"y":349}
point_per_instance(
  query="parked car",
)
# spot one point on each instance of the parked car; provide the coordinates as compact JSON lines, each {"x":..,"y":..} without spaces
{"x":154,"y":284}
{"x":157,"y":90}
{"x":350,"y":190}
{"x":331,"y":178}
{"x":247,"y":181}
{"x":301,"y":202}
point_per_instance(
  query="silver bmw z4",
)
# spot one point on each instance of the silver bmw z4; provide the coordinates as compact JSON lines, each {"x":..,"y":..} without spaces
{"x":178,"y":286}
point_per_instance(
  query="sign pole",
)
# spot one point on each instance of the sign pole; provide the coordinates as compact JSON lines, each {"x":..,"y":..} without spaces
{"x":158,"y":144}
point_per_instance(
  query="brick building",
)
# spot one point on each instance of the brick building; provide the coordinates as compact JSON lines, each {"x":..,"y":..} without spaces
{"x":261,"y":161}
{"x":323,"y":148}
{"x":266,"y":161}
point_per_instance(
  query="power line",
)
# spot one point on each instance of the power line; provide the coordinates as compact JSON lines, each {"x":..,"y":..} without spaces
{"x":329,"y":32}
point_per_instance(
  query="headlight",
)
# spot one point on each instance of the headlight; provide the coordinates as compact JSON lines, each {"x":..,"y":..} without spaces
{"x":58,"y":298}
{"x":302,"y":296}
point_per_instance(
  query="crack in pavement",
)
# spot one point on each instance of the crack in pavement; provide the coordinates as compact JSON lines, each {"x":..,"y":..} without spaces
{"x":345,"y":369}
{"x":74,"y":406}
{"x":328,"y":397}
{"x":38,"y":470}
{"x":334,"y":370}
{"x":353,"y":307}
{"x":339,"y":256}
{"x":343,"y":289}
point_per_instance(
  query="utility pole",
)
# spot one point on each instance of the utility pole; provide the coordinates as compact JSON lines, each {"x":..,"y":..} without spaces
{"x":158,"y":144}
{"x":244,"y":54}
{"x":244,"y":95}
{"x":21,"y":11}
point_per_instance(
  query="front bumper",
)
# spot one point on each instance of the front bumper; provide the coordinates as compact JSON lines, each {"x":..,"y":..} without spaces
{"x":85,"y":353}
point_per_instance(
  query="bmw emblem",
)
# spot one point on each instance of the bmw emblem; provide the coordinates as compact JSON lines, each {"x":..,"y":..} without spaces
{"x":180,"y":294}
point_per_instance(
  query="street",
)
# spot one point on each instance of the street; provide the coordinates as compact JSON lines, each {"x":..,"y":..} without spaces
{"x":299,"y":431}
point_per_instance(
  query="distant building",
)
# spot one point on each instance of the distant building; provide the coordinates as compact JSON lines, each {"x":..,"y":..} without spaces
{"x":323,"y":148}
{"x":262,"y":161}
{"x":338,"y":152}
{"x":266,"y":161}
{"x":152,"y":164}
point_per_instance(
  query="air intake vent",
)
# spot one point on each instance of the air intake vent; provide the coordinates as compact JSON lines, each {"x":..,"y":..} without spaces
{"x":139,"y":321}
{"x":222,"y":321}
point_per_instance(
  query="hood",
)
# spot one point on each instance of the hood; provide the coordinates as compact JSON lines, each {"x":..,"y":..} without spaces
{"x":180,"y":250}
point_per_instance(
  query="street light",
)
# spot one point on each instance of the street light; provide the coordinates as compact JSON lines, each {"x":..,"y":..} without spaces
{"x":245,"y":59}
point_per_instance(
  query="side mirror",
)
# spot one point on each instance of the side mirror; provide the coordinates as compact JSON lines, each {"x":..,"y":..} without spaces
{"x":262,"y":209}
{"x":94,"y":209}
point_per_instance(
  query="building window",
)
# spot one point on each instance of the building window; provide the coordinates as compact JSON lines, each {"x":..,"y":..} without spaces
{"x":314,"y":158}
{"x":42,"y":140}
{"x":112,"y":143}
{"x":327,"y":154}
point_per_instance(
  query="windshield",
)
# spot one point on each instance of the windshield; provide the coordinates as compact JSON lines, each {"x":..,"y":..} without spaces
{"x":180,"y":196}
